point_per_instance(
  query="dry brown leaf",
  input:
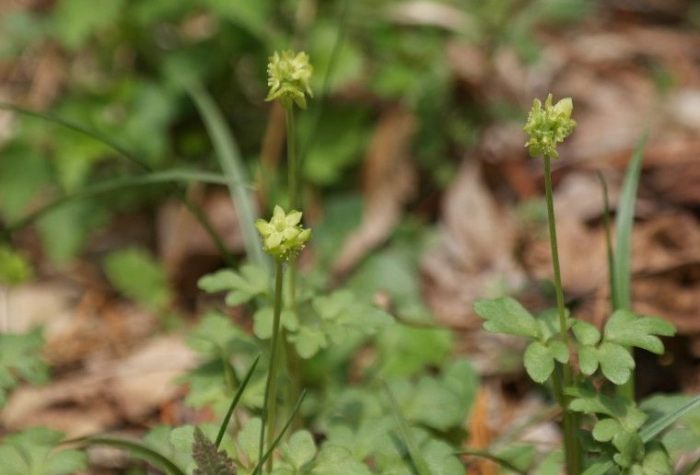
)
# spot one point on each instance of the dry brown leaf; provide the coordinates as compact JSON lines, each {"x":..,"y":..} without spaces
{"x":475,"y":256}
{"x":389,"y":181}
{"x":180,"y":236}
{"x":95,"y":399}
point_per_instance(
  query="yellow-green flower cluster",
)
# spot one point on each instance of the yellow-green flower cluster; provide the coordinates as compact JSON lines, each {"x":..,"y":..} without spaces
{"x":549,"y":126}
{"x":283,"y":237}
{"x":288,"y":76}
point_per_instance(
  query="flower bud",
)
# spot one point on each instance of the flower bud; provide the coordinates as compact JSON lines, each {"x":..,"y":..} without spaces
{"x":288,"y":78}
{"x":549,"y":126}
{"x":283,"y":237}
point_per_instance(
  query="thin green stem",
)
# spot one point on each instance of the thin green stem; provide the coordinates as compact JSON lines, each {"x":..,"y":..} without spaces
{"x":293,"y":172}
{"x":571,"y":444}
{"x":555,"y":253}
{"x":293,"y":178}
{"x":292,"y":165}
{"x":270,"y":401}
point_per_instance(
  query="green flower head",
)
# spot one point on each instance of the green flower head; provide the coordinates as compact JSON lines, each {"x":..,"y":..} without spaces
{"x":288,"y":76}
{"x":283,"y":237}
{"x":549,"y":126}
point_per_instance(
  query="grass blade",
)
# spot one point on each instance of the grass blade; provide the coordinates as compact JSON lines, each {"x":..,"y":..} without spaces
{"x":120,"y":183}
{"x":178,"y":193}
{"x":652,"y":430}
{"x":622,"y":278}
{"x":495,"y":458}
{"x":138,"y":449}
{"x":276,"y":442}
{"x":623,"y":225}
{"x":80,"y":129}
{"x":234,"y":402}
{"x":234,"y":170}
{"x":416,"y":457}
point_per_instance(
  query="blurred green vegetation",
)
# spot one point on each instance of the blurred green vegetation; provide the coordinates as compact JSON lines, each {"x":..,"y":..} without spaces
{"x":124,"y":70}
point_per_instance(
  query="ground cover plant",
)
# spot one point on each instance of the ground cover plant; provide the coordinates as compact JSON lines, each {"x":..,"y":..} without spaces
{"x":299,"y":362}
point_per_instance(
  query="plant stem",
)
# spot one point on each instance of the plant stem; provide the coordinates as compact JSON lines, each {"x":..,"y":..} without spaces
{"x":293,"y":178}
{"x":270,"y":401}
{"x":293,"y":172}
{"x":571,"y":444}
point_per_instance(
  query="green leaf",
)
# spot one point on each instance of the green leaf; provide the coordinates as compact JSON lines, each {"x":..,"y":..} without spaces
{"x":24,"y":175}
{"x":250,"y":282}
{"x":75,"y":21}
{"x":548,"y":323}
{"x":308,"y":341}
{"x":33,"y":451}
{"x":539,"y":359}
{"x":264,"y":318}
{"x":209,"y":460}
{"x":441,"y":458}
{"x":20,"y":358}
{"x":539,"y":363}
{"x":588,"y":359}
{"x":136,"y":274}
{"x":591,"y":402}
{"x":64,"y":231}
{"x":629,"y":329}
{"x":407,"y":350}
{"x":343,"y":311}
{"x":605,"y":429}
{"x":300,"y":449}
{"x":630,"y":448}
{"x":585,"y":333}
{"x":216,"y":335}
{"x":14,"y":267}
{"x":656,"y":460}
{"x":334,"y":459}
{"x":417,"y":458}
{"x":249,"y":439}
{"x":506,"y":315}
{"x":616,"y":362}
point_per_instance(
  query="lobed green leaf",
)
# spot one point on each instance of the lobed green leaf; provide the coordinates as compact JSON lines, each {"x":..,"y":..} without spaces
{"x":629,"y":329}
{"x":506,"y":315}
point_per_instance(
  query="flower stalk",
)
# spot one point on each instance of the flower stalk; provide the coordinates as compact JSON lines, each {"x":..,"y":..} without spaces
{"x":283,"y":238}
{"x":548,"y":127}
{"x":270,"y":400}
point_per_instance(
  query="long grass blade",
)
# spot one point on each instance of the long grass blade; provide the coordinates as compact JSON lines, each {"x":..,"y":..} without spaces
{"x":234,"y":402}
{"x":138,"y":449}
{"x":416,"y":457}
{"x":121,"y":183}
{"x":234,"y":170}
{"x":178,"y":193}
{"x":623,"y":224}
{"x":276,"y":442}
{"x":622,"y":279}
{"x":652,"y":430}
{"x":495,"y":458}
{"x":80,"y":129}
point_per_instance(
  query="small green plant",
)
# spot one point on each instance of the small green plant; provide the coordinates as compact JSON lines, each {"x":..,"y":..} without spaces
{"x":602,"y":432}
